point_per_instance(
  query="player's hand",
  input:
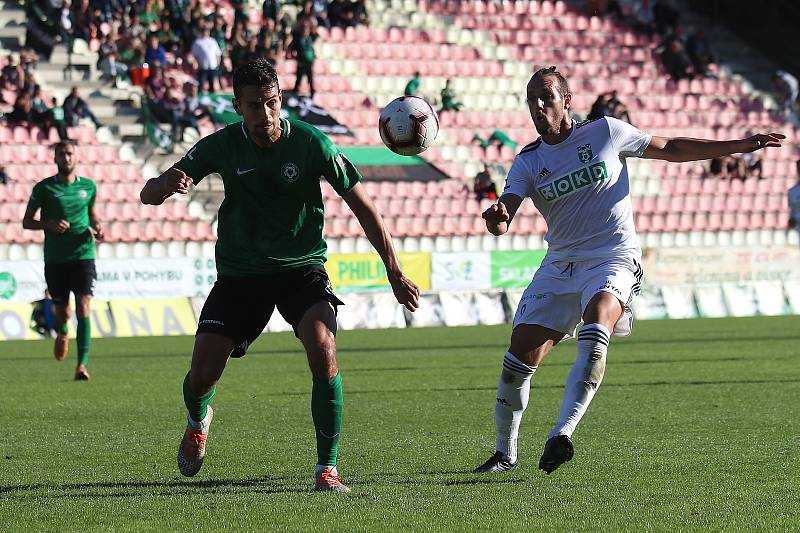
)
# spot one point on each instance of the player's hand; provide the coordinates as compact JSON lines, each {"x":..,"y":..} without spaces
{"x":59,"y":226}
{"x":496,"y":213}
{"x":175,"y":181}
{"x":764,"y":140}
{"x":98,"y":233}
{"x":405,"y":290}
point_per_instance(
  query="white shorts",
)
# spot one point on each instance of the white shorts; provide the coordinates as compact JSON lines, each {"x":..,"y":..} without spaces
{"x":560,"y":291}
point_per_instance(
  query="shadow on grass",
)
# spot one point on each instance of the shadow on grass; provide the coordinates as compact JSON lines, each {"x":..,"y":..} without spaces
{"x":354,"y":392}
{"x":263,"y":485}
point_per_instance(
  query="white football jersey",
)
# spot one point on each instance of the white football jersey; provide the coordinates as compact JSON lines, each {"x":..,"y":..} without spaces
{"x":794,"y":203}
{"x":581,"y":188}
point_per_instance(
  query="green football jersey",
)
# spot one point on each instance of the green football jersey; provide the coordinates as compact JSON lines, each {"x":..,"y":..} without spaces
{"x":272,"y":215}
{"x":70,"y":202}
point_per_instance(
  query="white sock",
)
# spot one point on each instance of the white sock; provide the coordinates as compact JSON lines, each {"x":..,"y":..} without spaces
{"x":584,"y":378}
{"x":202,"y":426}
{"x":513,"y":390}
{"x":320,"y":468}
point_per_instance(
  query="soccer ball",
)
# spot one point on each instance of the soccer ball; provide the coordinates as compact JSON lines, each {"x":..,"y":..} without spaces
{"x":408,"y":125}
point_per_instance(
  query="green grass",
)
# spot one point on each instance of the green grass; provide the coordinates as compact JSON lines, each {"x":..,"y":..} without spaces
{"x":696,"y":427}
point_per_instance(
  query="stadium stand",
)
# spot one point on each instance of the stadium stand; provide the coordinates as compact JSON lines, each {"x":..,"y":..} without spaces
{"x":488,"y":49}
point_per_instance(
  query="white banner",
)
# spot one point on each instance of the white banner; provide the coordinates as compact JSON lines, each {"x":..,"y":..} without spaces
{"x":23,"y":281}
{"x":461,"y":270}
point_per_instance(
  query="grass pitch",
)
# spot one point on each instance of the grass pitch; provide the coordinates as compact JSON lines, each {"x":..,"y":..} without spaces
{"x":696,"y":427}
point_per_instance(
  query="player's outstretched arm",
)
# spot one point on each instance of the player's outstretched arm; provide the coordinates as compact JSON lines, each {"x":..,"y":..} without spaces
{"x":499,"y":216}
{"x":681,"y":149}
{"x":156,"y":190}
{"x":405,"y":290}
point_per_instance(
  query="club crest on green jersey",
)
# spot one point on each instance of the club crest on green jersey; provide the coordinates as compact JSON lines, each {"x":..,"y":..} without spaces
{"x":83,"y":194}
{"x":290,"y":172}
{"x":585,"y":153}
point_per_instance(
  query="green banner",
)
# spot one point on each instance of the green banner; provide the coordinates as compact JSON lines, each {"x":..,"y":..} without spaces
{"x":515,"y":269}
{"x":221,"y":107}
{"x":155,"y":133}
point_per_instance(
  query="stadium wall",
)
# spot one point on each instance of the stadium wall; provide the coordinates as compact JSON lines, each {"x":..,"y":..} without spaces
{"x":164,"y":296}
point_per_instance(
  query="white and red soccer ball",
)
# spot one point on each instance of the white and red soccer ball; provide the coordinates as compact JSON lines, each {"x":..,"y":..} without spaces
{"x":408,"y":125}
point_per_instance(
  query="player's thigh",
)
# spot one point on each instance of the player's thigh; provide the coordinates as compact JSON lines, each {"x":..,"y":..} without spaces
{"x":609,"y":288}
{"x":82,"y":277}
{"x":56,"y":275}
{"x":237,"y":308}
{"x":301,"y":290}
{"x":551,"y":301}
{"x":530,"y":343}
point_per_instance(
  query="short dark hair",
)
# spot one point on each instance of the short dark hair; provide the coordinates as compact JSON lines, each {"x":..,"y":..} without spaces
{"x":561,"y":81}
{"x":60,"y":145}
{"x":260,"y":73}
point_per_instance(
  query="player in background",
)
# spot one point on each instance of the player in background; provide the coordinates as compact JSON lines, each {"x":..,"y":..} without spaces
{"x":70,"y":227}
{"x":577,"y":178}
{"x":270,"y":253}
{"x":793,"y":197}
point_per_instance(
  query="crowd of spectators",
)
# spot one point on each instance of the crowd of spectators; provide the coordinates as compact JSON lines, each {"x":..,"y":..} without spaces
{"x":206,"y":40}
{"x":609,"y":105}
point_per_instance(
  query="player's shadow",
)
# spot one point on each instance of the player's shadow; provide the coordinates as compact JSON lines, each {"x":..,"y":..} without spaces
{"x":55,"y":491}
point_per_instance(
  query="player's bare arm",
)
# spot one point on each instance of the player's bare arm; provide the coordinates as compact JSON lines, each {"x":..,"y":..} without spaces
{"x":57,"y":225}
{"x":94,"y":223}
{"x":681,"y":149}
{"x":499,"y":216}
{"x":172,"y":181}
{"x":405,"y":290}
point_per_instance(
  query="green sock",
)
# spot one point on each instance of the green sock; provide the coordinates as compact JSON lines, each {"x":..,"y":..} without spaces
{"x":84,"y":339}
{"x":197,"y":405}
{"x":326,"y":409}
{"x":63,"y":328}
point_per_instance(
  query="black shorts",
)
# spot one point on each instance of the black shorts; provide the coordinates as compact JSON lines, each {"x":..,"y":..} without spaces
{"x":240,"y":307}
{"x":75,"y":276}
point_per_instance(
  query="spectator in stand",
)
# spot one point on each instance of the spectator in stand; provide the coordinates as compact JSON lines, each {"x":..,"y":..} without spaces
{"x":608,"y":105}
{"x":108,"y":60}
{"x":219,"y":31}
{"x":339,"y":14}
{"x":190,"y":111}
{"x":155,"y":54}
{"x":726,"y":167}
{"x":58,"y":120}
{"x":21,"y":114}
{"x":208,"y":55}
{"x":271,"y":9}
{"x":360,"y":13}
{"x":699,"y":51}
{"x":270,"y":41}
{"x":159,"y":102}
{"x":168,"y":38}
{"x":305,"y":17}
{"x":676,"y":62}
{"x":449,"y":102}
{"x":785,"y":88}
{"x":4,"y":179}
{"x":413,"y":85}
{"x":793,"y":196}
{"x":644,"y":18}
{"x":12,"y":75}
{"x":483,"y":186}
{"x":41,"y":115}
{"x":497,"y":138}
{"x":82,"y":24}
{"x":665,"y":16}
{"x":75,"y":108}
{"x":302,"y":50}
